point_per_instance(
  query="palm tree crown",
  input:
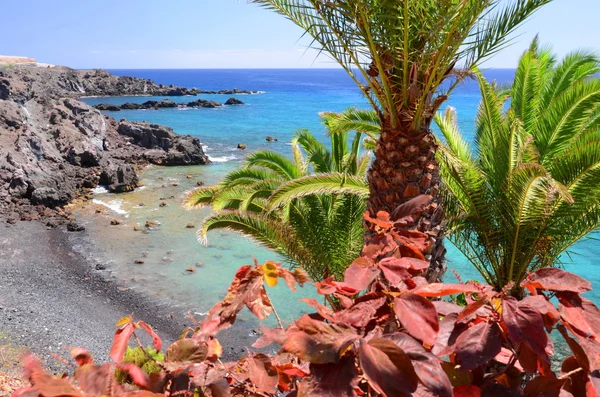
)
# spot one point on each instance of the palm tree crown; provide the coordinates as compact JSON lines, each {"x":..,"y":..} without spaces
{"x":399,"y":53}
{"x":528,"y":187}
{"x":308,"y":208}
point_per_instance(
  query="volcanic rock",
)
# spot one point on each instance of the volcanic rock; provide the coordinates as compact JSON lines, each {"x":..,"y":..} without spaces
{"x":234,"y":101}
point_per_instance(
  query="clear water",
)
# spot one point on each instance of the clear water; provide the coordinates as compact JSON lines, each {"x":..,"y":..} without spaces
{"x":291,"y":100}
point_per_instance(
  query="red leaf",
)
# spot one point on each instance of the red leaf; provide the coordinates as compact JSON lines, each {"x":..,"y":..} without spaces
{"x":579,"y":313}
{"x":155,"y":338}
{"x":187,"y":351}
{"x":326,"y":287}
{"x":361,"y":313}
{"x":323,"y":310}
{"x":471,"y":308}
{"x":81,"y":356}
{"x":579,"y":354}
{"x":247,"y":289}
{"x":121,"y":341}
{"x":432,"y":375}
{"x":553,"y":279}
{"x":317,"y":342}
{"x":96,"y":380}
{"x":387,"y":368}
{"x":359,"y":277}
{"x":447,"y":334}
{"x":382,"y":220}
{"x":270,"y":335}
{"x":139,"y":377}
{"x":543,"y":386}
{"x":290,"y":278}
{"x":411,"y":251}
{"x":331,"y":380}
{"x":379,"y":245}
{"x":395,"y":270}
{"x":49,"y":386}
{"x":440,"y":289}
{"x":141,"y":393}
{"x":418,"y":316}
{"x":445,"y":308}
{"x":478,"y":345}
{"x":545,"y":308}
{"x":524,"y":323}
{"x":467,"y":391}
{"x":263,"y":374}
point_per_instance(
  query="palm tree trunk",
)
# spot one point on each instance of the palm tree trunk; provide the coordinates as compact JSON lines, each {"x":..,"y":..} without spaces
{"x":404,"y":168}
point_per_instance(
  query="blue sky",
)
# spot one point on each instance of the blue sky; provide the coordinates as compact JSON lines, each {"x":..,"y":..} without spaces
{"x":218,"y":33}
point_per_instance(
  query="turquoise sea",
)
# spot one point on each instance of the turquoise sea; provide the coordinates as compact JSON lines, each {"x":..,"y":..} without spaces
{"x":290,"y":100}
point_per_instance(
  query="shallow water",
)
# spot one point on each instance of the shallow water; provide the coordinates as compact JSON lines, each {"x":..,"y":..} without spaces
{"x":170,"y":248}
{"x":291,"y":101}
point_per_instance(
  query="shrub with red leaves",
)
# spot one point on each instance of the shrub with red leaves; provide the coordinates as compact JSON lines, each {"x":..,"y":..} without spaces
{"x":384,"y":332}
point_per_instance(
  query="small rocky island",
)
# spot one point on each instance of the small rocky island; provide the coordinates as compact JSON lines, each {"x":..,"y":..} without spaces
{"x":54,"y":148}
{"x":166,"y":103}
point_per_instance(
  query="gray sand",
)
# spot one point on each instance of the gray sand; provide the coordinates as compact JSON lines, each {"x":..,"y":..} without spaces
{"x":52,"y":297}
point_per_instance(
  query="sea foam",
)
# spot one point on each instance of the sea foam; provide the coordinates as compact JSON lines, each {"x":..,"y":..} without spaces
{"x":113,"y":205}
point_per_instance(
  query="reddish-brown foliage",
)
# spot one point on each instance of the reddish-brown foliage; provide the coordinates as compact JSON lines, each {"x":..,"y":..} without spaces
{"x":378,"y":335}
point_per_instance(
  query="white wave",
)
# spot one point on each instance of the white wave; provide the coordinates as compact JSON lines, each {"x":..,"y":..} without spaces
{"x":222,"y":159}
{"x":113,"y":205}
{"x":141,"y":187}
{"x":100,"y":189}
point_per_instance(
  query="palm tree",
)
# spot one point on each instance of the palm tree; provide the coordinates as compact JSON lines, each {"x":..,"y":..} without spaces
{"x":403,"y":55}
{"x":308,"y":208}
{"x":528,"y":187}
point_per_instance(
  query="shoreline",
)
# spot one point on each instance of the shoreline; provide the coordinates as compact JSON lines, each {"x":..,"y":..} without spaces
{"x":52,"y":296}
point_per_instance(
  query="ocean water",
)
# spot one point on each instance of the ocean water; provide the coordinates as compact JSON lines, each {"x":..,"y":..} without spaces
{"x":290,"y":100}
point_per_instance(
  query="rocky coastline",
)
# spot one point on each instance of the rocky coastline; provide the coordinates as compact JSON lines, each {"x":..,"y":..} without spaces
{"x":54,"y":148}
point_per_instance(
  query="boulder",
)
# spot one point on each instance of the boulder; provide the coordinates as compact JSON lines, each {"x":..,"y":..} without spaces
{"x":234,"y":101}
{"x":4,"y":89}
{"x":107,"y":107}
{"x":241,"y":146}
{"x":166,"y":103}
{"x":49,"y":197}
{"x":146,"y":135}
{"x":119,"y":179}
{"x":131,"y":106}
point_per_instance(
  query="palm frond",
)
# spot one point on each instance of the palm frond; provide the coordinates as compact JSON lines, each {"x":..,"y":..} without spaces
{"x":331,"y":183}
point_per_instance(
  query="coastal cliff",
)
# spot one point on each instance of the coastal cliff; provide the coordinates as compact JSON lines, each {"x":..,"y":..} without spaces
{"x":54,"y":147}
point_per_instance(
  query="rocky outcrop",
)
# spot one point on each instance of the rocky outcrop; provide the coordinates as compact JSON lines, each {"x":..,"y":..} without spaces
{"x":166,"y":147}
{"x":54,"y":147}
{"x":165,"y":103}
{"x":233,"y":101}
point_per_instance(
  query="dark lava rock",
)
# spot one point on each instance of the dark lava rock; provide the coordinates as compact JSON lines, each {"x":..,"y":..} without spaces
{"x":108,"y":107}
{"x":166,"y":103}
{"x":234,"y":101}
{"x":131,"y":106}
{"x":119,"y":179}
{"x":167,"y":148}
{"x":201,"y":103}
